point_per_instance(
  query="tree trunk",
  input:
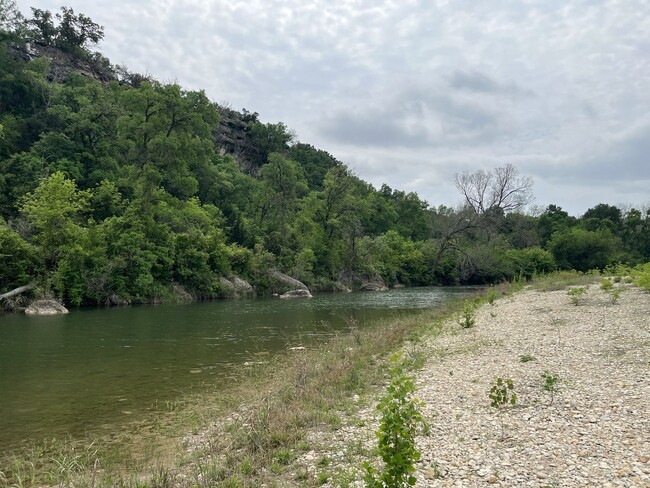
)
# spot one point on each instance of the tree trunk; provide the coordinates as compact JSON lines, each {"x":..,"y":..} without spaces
{"x":18,"y":291}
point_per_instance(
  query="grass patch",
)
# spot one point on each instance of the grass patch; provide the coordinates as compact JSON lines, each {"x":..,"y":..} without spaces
{"x":560,"y":280}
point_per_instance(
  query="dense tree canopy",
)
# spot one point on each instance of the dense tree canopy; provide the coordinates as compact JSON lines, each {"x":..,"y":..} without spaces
{"x":118,"y":191}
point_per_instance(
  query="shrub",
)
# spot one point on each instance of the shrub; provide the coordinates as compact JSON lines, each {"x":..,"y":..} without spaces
{"x":606,"y":285}
{"x":530,"y":261}
{"x":575,"y":294}
{"x":467,"y":319}
{"x":502,"y":395}
{"x":550,"y":383}
{"x":396,"y":435}
{"x":642,"y":276}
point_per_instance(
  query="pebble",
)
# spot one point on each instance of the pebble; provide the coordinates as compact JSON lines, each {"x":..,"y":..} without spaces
{"x":596,"y":432}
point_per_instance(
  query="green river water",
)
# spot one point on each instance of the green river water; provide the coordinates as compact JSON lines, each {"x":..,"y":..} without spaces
{"x":94,"y":370}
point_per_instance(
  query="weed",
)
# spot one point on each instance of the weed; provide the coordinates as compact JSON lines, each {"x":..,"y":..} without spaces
{"x":401,"y":417}
{"x":502,"y":395}
{"x":550,"y":383}
{"x":467,"y":319}
{"x":491,"y":295}
{"x":615,"y":294}
{"x":322,"y":478}
{"x":525,"y":358}
{"x":576,"y":294}
{"x":642,"y":276}
{"x":606,"y":285}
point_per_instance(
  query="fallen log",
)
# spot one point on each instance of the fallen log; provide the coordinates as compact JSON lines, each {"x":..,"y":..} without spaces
{"x":18,"y":291}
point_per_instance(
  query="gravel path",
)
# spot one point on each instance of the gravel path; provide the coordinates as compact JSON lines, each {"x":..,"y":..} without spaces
{"x":596,"y":432}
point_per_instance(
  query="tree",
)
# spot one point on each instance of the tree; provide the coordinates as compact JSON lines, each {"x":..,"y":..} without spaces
{"x":603,"y":216}
{"x":72,"y":33}
{"x":54,"y":209}
{"x":584,"y":250}
{"x":11,"y":20}
{"x":553,"y":220}
{"x":501,"y":189}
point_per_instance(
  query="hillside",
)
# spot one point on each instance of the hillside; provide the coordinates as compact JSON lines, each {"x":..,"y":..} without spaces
{"x":116,"y":188}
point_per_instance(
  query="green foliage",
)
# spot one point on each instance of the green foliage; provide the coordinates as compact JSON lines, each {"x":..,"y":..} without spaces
{"x":396,"y":435}
{"x":18,"y":260}
{"x":615,"y":294}
{"x":467,"y":318}
{"x":72,"y":32}
{"x":576,"y":294}
{"x":550,"y":383}
{"x":491,"y":295}
{"x":530,"y":261}
{"x":502,"y":395}
{"x":606,"y":285}
{"x":525,"y":358}
{"x":118,"y":192}
{"x":583,"y":250}
{"x":641,"y":275}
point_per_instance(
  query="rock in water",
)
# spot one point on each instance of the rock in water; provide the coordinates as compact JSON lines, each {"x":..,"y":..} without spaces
{"x":296,"y":294}
{"x":45,"y":307}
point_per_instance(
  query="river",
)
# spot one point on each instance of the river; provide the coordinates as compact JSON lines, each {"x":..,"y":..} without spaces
{"x":96,"y":369}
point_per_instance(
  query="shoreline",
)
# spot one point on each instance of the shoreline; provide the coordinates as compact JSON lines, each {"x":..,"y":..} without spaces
{"x":594,"y":431}
{"x":311,"y":418}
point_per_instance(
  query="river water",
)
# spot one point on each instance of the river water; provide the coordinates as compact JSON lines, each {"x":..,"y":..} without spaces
{"x":96,"y":369}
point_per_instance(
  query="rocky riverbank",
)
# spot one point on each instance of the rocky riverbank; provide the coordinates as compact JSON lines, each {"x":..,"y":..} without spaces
{"x":594,"y":431}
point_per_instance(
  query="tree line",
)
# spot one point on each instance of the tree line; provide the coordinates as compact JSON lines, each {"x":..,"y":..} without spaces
{"x":117,"y":192}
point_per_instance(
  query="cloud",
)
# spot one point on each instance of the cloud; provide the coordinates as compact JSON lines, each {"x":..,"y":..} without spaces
{"x":411,"y":91}
{"x":478,"y":82}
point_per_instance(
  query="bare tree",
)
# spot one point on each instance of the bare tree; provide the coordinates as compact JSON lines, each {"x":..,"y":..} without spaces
{"x":488,"y":196}
{"x":499,"y":189}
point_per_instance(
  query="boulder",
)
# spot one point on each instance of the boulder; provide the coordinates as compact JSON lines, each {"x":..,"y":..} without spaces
{"x":296,"y":294}
{"x":281,"y":283}
{"x":45,"y":307}
{"x":235,"y":287}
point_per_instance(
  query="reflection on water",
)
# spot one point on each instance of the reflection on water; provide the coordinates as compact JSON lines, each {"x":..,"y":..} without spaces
{"x":95,"y":368}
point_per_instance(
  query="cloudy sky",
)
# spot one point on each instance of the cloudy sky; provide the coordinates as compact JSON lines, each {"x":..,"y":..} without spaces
{"x":409,"y":92}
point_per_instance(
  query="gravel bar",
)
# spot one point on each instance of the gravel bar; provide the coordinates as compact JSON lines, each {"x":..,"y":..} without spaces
{"x":594,"y":431}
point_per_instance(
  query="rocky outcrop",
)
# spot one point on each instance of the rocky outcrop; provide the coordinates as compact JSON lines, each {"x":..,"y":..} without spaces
{"x":45,"y":307}
{"x":232,"y":137}
{"x":235,"y":287}
{"x":63,"y":63}
{"x":296,"y":294}
{"x":280,"y":283}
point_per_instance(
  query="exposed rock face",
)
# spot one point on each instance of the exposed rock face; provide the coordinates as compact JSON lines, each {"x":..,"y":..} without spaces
{"x":232,"y":137}
{"x":282,"y":283}
{"x":63,"y":63}
{"x":296,"y":294}
{"x":45,"y":307}
{"x":236,"y":287}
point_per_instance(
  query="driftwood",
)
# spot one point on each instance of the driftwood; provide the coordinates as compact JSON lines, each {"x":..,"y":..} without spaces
{"x":18,"y":291}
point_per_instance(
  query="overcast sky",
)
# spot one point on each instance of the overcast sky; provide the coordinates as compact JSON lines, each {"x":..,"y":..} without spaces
{"x":409,"y":92}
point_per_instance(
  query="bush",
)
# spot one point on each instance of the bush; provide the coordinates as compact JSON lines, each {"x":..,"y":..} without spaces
{"x":400,"y":419}
{"x":583,"y":250}
{"x":530,"y":261}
